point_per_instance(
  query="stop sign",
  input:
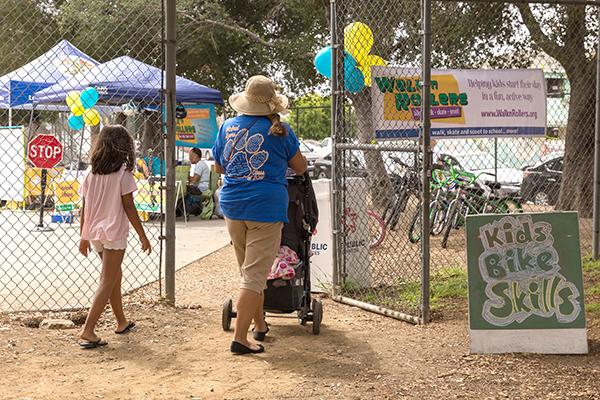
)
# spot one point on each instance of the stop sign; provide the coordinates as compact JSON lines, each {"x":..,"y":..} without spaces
{"x":45,"y":151}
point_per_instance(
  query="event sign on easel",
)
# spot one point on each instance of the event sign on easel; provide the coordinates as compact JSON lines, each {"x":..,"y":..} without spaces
{"x":525,"y":284}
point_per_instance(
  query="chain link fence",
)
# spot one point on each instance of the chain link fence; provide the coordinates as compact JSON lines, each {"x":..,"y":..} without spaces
{"x":53,"y":55}
{"x":522,"y":50}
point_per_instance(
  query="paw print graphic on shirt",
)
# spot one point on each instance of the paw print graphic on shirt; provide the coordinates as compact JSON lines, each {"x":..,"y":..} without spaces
{"x":245,"y":156}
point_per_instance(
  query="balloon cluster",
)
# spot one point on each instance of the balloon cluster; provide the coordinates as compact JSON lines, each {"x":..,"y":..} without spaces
{"x":358,"y":60}
{"x":81,"y":105}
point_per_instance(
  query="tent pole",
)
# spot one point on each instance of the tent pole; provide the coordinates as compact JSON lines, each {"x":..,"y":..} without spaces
{"x":10,"y":116}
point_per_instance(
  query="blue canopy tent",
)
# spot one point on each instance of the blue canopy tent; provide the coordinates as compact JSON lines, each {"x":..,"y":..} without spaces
{"x":126,"y":79}
{"x":61,"y":62}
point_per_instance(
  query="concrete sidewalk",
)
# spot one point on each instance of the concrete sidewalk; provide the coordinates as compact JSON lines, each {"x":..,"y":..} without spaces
{"x":197,"y":239}
{"x":44,"y":270}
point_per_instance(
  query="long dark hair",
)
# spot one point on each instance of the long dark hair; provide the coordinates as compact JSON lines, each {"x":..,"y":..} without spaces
{"x":113,"y":148}
{"x":277,"y":128}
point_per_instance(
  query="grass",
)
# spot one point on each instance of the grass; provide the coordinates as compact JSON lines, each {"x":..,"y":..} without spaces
{"x":445,"y":285}
{"x":591,"y":273}
{"x":591,"y":267}
{"x":450,"y":283}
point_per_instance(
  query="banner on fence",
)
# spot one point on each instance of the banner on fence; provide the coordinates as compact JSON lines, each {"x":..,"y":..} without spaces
{"x":196,"y":125}
{"x":464,"y":103}
{"x":525,"y":284}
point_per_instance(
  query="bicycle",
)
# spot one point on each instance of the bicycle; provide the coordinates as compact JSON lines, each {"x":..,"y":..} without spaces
{"x":476,"y":199}
{"x":442,"y":183}
{"x":404,"y":186}
{"x":482,"y":199}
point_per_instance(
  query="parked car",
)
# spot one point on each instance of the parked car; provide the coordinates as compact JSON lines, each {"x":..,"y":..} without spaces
{"x":355,"y":166}
{"x":541,"y":183}
{"x":327,"y":145}
{"x":310,"y":154}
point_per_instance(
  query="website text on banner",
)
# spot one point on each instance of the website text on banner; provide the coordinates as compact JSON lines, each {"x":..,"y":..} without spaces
{"x":196,"y":125}
{"x":464,"y":103}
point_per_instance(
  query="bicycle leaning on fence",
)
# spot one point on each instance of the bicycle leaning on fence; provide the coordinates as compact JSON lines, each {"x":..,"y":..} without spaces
{"x":457,"y":194}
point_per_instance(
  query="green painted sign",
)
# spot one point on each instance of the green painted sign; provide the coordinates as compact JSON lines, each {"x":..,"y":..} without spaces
{"x":525,"y":271}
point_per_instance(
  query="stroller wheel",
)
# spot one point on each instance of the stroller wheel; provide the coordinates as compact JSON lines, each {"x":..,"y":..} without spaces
{"x":317,"y":307}
{"x":227,"y":314}
{"x":302,"y":316}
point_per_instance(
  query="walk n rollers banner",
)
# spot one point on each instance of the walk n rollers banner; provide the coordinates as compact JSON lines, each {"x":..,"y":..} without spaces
{"x":525,"y":284}
{"x":464,"y":103}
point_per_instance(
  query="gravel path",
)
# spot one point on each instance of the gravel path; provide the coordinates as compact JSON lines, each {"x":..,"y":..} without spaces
{"x":182,"y":353}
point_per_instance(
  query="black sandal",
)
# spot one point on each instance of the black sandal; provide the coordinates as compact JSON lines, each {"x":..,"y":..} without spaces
{"x":260,"y":336}
{"x":92,"y":344}
{"x":237,"y":348}
{"x":129,"y":326}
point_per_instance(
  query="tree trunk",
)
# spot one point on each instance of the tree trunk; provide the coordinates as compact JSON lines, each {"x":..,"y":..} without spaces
{"x":576,"y":191}
{"x":151,"y":134}
{"x":379,"y":181}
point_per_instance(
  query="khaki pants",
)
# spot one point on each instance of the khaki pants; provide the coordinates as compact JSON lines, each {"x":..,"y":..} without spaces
{"x":256,"y":245}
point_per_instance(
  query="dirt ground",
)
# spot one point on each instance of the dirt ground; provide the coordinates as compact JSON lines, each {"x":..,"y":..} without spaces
{"x":182,"y":353}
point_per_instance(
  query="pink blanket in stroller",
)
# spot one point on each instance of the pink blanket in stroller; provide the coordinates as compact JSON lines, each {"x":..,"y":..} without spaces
{"x":283,"y":266}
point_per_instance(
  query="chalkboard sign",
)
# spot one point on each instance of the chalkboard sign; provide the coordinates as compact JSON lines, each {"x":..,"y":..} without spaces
{"x":525,"y":283}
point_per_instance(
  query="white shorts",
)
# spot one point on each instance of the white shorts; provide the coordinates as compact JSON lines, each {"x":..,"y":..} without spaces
{"x":100,"y":245}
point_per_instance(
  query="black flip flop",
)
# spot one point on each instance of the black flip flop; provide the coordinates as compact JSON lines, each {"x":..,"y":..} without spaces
{"x":260,"y":336}
{"x":237,"y":348}
{"x":130,"y":325}
{"x":93,"y":345}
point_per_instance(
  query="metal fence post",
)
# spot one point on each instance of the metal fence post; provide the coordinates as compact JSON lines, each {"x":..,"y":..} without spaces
{"x":426,"y":130}
{"x":170,"y":65}
{"x":596,"y":210}
{"x":334,"y":121}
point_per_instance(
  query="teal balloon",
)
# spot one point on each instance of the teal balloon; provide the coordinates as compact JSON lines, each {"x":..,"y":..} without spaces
{"x":354,"y":80}
{"x":323,"y":62}
{"x":76,"y":122}
{"x":89,"y":97}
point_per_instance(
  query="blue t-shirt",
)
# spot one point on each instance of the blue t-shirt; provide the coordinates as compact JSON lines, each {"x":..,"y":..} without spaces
{"x":255,"y":163}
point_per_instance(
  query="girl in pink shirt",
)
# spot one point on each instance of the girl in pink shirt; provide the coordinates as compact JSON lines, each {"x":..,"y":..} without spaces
{"x":108,"y":208}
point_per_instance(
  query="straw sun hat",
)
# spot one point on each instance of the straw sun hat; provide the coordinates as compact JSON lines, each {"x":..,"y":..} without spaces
{"x":259,"y":98}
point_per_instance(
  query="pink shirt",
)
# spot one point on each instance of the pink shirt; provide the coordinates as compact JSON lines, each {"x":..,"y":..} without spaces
{"x":104,"y":215}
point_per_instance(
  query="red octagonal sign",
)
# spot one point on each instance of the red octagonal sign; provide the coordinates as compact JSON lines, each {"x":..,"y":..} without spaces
{"x":45,"y":151}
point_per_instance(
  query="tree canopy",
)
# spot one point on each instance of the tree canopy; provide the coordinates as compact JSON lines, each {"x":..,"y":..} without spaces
{"x":223,"y":42}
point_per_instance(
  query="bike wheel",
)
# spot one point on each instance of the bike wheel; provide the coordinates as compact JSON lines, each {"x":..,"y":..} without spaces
{"x":376,"y":229}
{"x":394,"y":217}
{"x":414,"y":230}
{"x":510,"y":206}
{"x":453,"y":217}
{"x":438,"y":217}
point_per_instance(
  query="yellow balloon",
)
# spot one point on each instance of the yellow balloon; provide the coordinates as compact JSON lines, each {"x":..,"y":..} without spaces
{"x":368,"y":62}
{"x":358,"y":40}
{"x":91,"y":117}
{"x":73,"y":98}
{"x":77,"y":108}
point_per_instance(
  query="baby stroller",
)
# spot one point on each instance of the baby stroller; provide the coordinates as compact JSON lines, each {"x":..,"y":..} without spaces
{"x":288,"y":296}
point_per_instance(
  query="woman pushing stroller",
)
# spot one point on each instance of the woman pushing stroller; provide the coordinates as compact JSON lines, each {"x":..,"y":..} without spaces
{"x":254,"y":151}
